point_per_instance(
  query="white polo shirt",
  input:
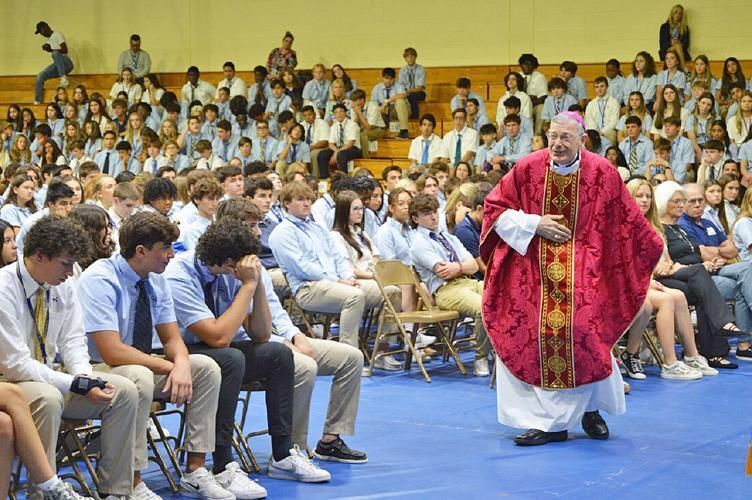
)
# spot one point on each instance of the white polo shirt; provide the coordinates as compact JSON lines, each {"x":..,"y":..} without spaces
{"x":417,"y":145}
{"x":350,"y":129}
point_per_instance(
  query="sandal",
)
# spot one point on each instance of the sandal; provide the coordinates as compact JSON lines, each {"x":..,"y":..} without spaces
{"x":731,"y":331}
{"x":722,"y":363}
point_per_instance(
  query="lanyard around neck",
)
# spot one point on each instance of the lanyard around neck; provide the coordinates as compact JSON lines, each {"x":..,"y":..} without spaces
{"x":40,"y":335}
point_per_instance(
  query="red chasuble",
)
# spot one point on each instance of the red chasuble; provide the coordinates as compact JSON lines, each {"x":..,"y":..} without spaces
{"x":554,"y":314}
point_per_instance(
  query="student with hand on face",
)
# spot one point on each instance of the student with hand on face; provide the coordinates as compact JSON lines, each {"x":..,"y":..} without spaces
{"x":389,"y":94}
{"x":412,"y":77}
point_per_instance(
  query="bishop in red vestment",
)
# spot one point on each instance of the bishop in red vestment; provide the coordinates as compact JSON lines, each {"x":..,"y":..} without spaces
{"x":569,"y":260}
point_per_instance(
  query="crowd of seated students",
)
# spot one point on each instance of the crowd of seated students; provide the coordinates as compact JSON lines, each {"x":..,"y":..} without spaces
{"x":198,"y":215}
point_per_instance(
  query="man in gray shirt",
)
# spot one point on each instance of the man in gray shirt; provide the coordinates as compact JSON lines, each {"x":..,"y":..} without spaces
{"x":136,"y":59}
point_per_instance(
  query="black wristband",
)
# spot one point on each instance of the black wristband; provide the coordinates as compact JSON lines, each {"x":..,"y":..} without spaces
{"x":82,"y":385}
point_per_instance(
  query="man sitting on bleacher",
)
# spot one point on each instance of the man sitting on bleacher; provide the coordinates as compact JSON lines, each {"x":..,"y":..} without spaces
{"x":426,"y":148}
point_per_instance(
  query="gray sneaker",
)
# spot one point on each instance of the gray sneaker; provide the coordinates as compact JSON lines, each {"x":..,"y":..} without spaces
{"x":680,"y":371}
{"x":700,"y":363}
{"x":63,"y":491}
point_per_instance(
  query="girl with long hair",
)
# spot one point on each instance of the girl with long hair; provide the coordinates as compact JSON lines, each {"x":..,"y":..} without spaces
{"x":643,"y":77}
{"x":339,"y":73}
{"x":99,"y":191}
{"x":732,"y":73}
{"x":672,"y":74}
{"x":668,"y":105}
{"x":739,"y":125}
{"x":699,"y":122}
{"x":19,"y":204}
{"x":96,"y":224}
{"x":19,"y":150}
{"x":635,"y":107}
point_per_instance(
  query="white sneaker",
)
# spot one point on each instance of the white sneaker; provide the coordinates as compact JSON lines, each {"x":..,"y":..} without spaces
{"x":152,"y":429}
{"x":389,"y":363}
{"x":480,"y":367}
{"x":422,"y":340}
{"x":63,"y":82}
{"x":237,"y":482}
{"x":700,"y":363}
{"x":317,"y":331}
{"x":201,"y":484}
{"x":62,"y":491}
{"x":680,"y":371}
{"x":297,"y":467}
{"x":142,"y":492}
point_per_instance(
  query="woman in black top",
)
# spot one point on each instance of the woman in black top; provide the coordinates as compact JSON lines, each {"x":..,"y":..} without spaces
{"x":675,"y":32}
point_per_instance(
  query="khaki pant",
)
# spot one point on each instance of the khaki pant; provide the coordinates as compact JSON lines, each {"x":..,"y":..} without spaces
{"x":403,"y":112}
{"x":368,"y":136}
{"x":349,"y":301}
{"x":464,"y":296}
{"x":345,"y":363}
{"x":538,"y":119}
{"x":200,"y":413}
{"x":315,"y":162}
{"x":116,"y":465}
{"x":280,"y":284}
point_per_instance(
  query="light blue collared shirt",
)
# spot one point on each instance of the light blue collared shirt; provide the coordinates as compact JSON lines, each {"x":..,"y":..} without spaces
{"x":301,"y":150}
{"x":379,"y":92}
{"x":14,"y":215}
{"x":115,"y":165}
{"x":552,"y":106}
{"x":426,"y":253}
{"x":317,"y":91}
{"x":266,"y":91}
{"x":28,"y":224}
{"x":644,"y":148}
{"x":576,"y":88}
{"x":108,"y":290}
{"x":646,"y":86}
{"x":190,"y":233}
{"x":455,"y":103}
{"x":269,"y":149}
{"x":484,"y":154}
{"x":191,"y":141}
{"x":225,"y":150}
{"x":412,"y":76}
{"x":303,"y":250}
{"x":616,"y":88}
{"x":682,"y":152}
{"x":513,"y":153}
{"x":679,"y":80}
{"x":394,"y":240}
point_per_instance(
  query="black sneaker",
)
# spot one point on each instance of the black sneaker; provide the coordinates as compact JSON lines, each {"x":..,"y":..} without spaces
{"x":633,"y":366}
{"x":402,"y":134}
{"x":744,"y":354}
{"x":338,"y":451}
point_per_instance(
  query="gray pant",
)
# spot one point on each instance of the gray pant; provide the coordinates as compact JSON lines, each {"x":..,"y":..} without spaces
{"x":199,"y":419}
{"x":734,"y":281}
{"x":345,"y":363}
{"x":116,"y":465}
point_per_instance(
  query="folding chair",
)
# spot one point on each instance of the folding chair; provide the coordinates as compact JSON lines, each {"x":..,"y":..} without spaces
{"x":394,"y":272}
{"x":294,"y":307}
{"x":240,"y":440}
{"x":159,"y":409}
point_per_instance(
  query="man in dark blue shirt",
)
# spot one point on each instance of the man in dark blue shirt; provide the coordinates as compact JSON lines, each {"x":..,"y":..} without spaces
{"x":468,"y":229}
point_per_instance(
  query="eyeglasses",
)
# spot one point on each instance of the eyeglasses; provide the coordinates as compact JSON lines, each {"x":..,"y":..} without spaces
{"x":565,"y":138}
{"x":678,"y":201}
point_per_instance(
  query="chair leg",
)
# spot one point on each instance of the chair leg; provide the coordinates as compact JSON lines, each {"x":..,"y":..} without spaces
{"x":157,"y":458}
{"x":163,"y":438}
{"x":77,"y":475}
{"x":245,"y":449}
{"x":449,"y":342}
{"x":647,"y":336}
{"x":84,"y":455}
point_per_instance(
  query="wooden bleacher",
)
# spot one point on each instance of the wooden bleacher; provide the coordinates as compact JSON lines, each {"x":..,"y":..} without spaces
{"x":486,"y":81}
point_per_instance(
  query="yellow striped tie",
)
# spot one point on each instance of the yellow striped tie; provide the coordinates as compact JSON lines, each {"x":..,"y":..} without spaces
{"x":41,"y":321}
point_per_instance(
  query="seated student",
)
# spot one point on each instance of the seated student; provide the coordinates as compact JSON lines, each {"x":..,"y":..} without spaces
{"x":173,"y":158}
{"x":464,"y":93}
{"x":711,"y":164}
{"x":260,"y":91}
{"x":736,"y":91}
{"x":667,"y":106}
{"x":636,"y":148}
{"x":124,"y":298}
{"x":231,"y":179}
{"x":52,"y":247}
{"x":512,"y":107}
{"x":42,"y":135}
{"x":515,"y":85}
{"x":316,"y":135}
{"x":316,"y":91}
{"x":223,"y":313}
{"x":223,"y":105}
{"x":515,"y":144}
{"x":149,"y":116}
{"x":259,"y":192}
{"x":739,"y":123}
{"x":475,"y":119}
{"x":322,"y":209}
{"x":107,"y":159}
{"x":19,"y":437}
{"x":575,"y":85}
{"x":264,"y":145}
{"x":19,"y":203}
{"x":225,"y":146}
{"x":77,"y":155}
{"x":208,"y":160}
{"x":427,"y":147}
{"x":487,"y":150}
{"x":87,"y":171}
{"x":344,"y":143}
{"x":337,"y":94}
{"x":209,"y":126}
{"x":320,"y":280}
{"x":391,"y":95}
{"x":460,"y":143}
{"x":412,"y":77}
{"x":700,"y":87}
{"x":119,"y":118}
{"x":682,"y":151}
{"x":188,"y":140}
{"x":205,"y":195}
{"x":57,"y":203}
{"x":616,"y":80}
{"x":699,"y":122}
{"x":672,"y":74}
{"x":602,"y":113}
{"x":231,"y":81}
{"x":159,"y":195}
{"x":49,"y":172}
{"x":125,"y":199}
{"x":394,"y":238}
{"x":286,"y":121}
{"x":660,"y":167}
{"x":444,"y":266}
{"x":467,"y":202}
{"x":196,"y":89}
{"x":557,"y":102}
{"x":277,"y":103}
{"x":128,"y":162}
{"x":292,"y":150}
{"x":189,"y":211}
{"x":367,"y":115}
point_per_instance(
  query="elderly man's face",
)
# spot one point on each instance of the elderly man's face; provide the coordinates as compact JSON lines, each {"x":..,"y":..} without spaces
{"x":695,"y":202}
{"x":564,"y":141}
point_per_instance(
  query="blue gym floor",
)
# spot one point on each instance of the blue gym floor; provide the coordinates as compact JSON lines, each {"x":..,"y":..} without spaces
{"x":441,"y":440}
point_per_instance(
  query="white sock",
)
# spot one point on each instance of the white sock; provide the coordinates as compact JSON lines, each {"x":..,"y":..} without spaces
{"x":49,"y":484}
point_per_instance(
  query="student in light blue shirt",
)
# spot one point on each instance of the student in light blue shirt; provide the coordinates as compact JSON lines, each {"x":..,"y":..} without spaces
{"x":260,"y":91}
{"x":672,"y":74}
{"x":316,"y":91}
{"x":209,"y":127}
{"x":636,"y":148}
{"x":108,"y":158}
{"x":559,"y":101}
{"x":412,"y":77}
{"x":487,"y":150}
{"x":515,"y":144}
{"x":128,"y":162}
{"x":475,"y":119}
{"x":642,"y":79}
{"x":616,"y":81}
{"x":19,"y":204}
{"x":264,"y":145}
{"x":575,"y":85}
{"x":278,"y":103}
{"x":464,"y":93}
{"x":55,"y":120}
{"x":394,"y":237}
{"x":682,"y":150}
{"x":188,"y":140}
{"x":292,"y":150}
{"x":226,"y":144}
{"x":243,"y":126}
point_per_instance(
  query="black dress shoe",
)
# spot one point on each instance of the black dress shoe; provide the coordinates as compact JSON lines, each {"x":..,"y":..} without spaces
{"x":594,"y":425}
{"x":535,"y":437}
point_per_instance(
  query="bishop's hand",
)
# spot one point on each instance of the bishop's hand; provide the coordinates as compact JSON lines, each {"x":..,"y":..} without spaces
{"x":550,"y":229}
